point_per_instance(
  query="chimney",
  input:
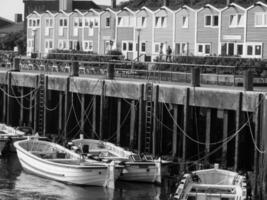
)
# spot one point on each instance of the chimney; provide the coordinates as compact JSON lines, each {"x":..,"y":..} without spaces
{"x":18,"y":17}
{"x":65,"y":5}
{"x":113,"y":3}
{"x":166,"y":3}
{"x":228,"y":2}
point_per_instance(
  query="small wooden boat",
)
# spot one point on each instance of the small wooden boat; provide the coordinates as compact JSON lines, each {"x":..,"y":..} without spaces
{"x":137,"y":168}
{"x":53,"y":161}
{"x":212,"y":184}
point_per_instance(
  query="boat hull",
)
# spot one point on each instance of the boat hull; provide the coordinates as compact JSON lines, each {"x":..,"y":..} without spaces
{"x":71,"y":171}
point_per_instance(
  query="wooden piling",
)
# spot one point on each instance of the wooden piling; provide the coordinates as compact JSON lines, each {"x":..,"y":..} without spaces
{"x":60,"y":112}
{"x":155,"y":115}
{"x":258,"y":116}
{"x":102,"y":104}
{"x":8,"y":111}
{"x":174,"y":130}
{"x":45,"y":104}
{"x":140,"y":117}
{"x":132,"y":124}
{"x":94,"y":117}
{"x":237,"y":127}
{"x":30,"y":110}
{"x":66,"y":108}
{"x":118,"y":138}
{"x":4,"y":96}
{"x":21,"y":113}
{"x":207,"y":138}
{"x":36,"y":105}
{"x":225,"y":135}
{"x":186,"y":110}
{"x":82,"y":112}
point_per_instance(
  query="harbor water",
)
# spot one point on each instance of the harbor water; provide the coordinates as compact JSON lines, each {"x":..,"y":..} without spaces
{"x":15,"y":184}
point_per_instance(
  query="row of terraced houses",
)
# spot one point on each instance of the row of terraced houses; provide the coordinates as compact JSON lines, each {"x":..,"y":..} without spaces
{"x":232,"y":31}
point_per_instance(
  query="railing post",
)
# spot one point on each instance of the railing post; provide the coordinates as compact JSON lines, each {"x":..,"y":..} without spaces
{"x":111,"y":70}
{"x":75,"y":68}
{"x":248,"y":80}
{"x":195,"y":79}
{"x":16,"y":66}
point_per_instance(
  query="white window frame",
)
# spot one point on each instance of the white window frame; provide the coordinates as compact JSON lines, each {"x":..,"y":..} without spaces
{"x":253,"y":44}
{"x":34,"y":23}
{"x":88,"y":45}
{"x":49,"y":44}
{"x":48,"y":25}
{"x":211,"y":21}
{"x":125,"y":21}
{"x":141,"y":22}
{"x":263,"y":16}
{"x":63,"y":44}
{"x":106,"y":20}
{"x":127,"y":42}
{"x":204,"y":49}
{"x":236,"y":23}
{"x":160,"y":23}
{"x":185,"y":21}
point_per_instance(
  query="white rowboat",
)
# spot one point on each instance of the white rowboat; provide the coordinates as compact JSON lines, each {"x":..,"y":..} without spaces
{"x":145,"y":169}
{"x":212,"y":184}
{"x":55,"y":162}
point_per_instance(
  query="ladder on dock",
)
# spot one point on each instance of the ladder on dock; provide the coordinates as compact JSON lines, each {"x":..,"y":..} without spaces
{"x":149,"y":117}
{"x":41,"y":104}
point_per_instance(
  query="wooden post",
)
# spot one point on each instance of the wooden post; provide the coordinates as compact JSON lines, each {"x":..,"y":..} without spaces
{"x":94,"y":117}
{"x":66,"y":108}
{"x":8,"y":111}
{"x":36,"y":105}
{"x":258,"y":116}
{"x":263,"y":157}
{"x":30,"y":111}
{"x":60,"y":112}
{"x":4,"y":103}
{"x":174,"y":130}
{"x":21,"y":113}
{"x":82,"y":112}
{"x":207,"y":139}
{"x":155,"y":115}
{"x":225,"y":135}
{"x":237,"y":125}
{"x":102,"y":102}
{"x":132,"y":124}
{"x":140,"y":117}
{"x":186,"y":109}
{"x":119,"y":122}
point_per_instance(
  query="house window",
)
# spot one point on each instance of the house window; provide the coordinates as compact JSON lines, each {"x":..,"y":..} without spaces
{"x":239,"y":49}
{"x":33,"y":22}
{"x":62,"y":44}
{"x":49,"y":22}
{"x":141,"y":22}
{"x":63,"y":22}
{"x":88,"y":45}
{"x":130,"y":46}
{"x":208,"y":20}
{"x":185,"y":22}
{"x":157,"y":47}
{"x":124,"y":46}
{"x":260,"y":19}
{"x":249,"y":50}
{"x":143,"y":47}
{"x":107,"y":22}
{"x":204,"y":49}
{"x":211,"y":21}
{"x":236,"y":20}
{"x":127,"y":46}
{"x":257,"y":50}
{"x":125,"y":21}
{"x":160,"y":22}
{"x":30,"y":23}
{"x":48,"y":44}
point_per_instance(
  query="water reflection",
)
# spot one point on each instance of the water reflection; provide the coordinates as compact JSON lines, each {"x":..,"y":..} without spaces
{"x":18,"y":185}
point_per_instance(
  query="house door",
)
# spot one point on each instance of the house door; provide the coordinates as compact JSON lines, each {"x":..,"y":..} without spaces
{"x":231,"y":49}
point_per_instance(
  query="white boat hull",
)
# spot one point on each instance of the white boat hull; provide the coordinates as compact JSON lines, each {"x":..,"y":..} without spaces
{"x":82,"y":173}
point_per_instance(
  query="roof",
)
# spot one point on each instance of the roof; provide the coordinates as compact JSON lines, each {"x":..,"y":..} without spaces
{"x":12,"y":28}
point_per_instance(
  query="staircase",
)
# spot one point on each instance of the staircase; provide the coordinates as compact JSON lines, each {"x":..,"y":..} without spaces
{"x":149,"y":117}
{"x":41,"y":104}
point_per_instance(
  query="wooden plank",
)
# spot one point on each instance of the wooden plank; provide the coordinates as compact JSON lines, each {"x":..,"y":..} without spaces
{"x":4,"y":103}
{"x":140,"y":117}
{"x":118,"y":138}
{"x":66,"y":109}
{"x":225,"y":135}
{"x":237,"y":125}
{"x":45,"y":104}
{"x":9,"y":100}
{"x":21,"y":113}
{"x":174,"y":130}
